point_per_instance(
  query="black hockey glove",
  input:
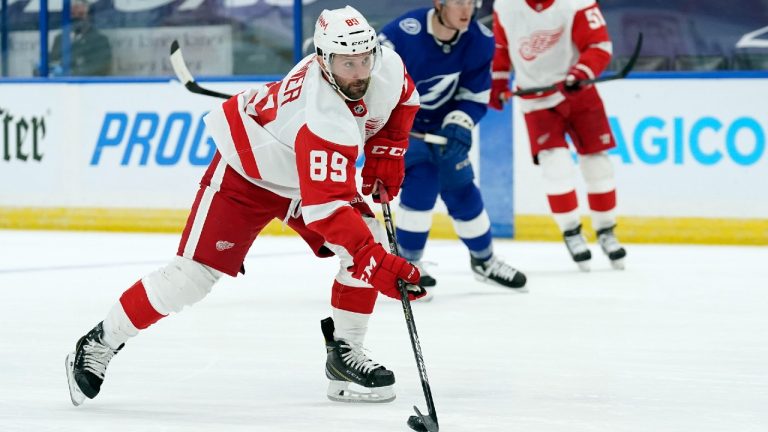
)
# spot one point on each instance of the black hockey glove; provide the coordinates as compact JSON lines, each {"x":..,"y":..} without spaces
{"x":459,"y":141}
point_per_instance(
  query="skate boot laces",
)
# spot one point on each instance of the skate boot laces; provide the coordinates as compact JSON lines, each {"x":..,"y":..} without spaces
{"x":498,"y":268}
{"x":609,"y":242}
{"x":355,"y":358}
{"x":576,"y":244}
{"x":96,"y":357}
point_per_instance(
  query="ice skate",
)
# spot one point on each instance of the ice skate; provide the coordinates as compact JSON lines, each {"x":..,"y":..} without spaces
{"x":611,"y":246}
{"x":87,"y":365}
{"x":577,"y":247}
{"x":353,"y":376}
{"x":427,"y":282}
{"x":496,"y":272}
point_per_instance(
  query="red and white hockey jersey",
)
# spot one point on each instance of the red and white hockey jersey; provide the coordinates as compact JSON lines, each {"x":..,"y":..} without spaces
{"x":544,"y":39}
{"x":300,"y":139}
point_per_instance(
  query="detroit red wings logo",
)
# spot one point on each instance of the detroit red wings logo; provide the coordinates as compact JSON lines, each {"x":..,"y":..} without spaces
{"x":539,"y":42}
{"x":373,"y":125}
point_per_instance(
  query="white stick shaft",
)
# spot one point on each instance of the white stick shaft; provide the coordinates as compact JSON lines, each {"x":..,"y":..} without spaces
{"x":431,"y":138}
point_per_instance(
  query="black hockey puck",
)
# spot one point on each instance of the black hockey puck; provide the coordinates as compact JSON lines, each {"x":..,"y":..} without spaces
{"x":416,"y":424}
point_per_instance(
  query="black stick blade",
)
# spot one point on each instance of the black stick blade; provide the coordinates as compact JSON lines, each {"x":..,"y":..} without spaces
{"x":422,"y":423}
{"x":185,"y":76}
{"x":416,"y":424}
{"x":625,"y":70}
{"x":635,"y":54}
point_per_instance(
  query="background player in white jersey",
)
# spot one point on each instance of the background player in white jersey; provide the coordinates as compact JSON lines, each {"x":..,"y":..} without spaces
{"x":564,"y":42}
{"x":288,"y":151}
{"x":449,"y":57}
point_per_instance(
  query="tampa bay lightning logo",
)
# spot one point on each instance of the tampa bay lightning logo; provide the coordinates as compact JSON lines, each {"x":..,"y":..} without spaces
{"x":484,"y":30}
{"x":435,"y":91}
{"x":411,"y":26}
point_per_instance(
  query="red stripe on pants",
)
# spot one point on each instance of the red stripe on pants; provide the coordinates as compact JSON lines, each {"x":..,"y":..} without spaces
{"x":138,"y":308}
{"x":564,"y":203}
{"x":359,"y":300}
{"x":602,"y":201}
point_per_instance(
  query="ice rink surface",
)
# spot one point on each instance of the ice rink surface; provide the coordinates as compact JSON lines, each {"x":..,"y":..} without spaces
{"x":677,"y":342}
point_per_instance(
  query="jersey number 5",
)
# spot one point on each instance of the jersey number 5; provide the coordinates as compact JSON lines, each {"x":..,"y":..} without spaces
{"x":320,"y":169}
{"x":595,"y":18}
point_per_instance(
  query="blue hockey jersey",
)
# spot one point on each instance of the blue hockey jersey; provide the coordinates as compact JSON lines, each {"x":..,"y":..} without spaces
{"x":448,"y":77}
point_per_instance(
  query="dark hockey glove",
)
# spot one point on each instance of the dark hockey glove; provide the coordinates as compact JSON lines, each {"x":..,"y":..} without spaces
{"x":457,"y":130}
{"x":374,"y":265}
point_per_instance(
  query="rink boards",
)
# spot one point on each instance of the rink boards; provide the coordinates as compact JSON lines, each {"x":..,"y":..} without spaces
{"x":691,"y":162}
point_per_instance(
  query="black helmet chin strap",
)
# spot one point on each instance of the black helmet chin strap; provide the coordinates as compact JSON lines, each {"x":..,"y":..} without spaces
{"x":445,"y":45}
{"x":439,"y":13}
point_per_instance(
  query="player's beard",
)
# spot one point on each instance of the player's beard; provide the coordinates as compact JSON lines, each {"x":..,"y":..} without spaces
{"x":355,"y":89}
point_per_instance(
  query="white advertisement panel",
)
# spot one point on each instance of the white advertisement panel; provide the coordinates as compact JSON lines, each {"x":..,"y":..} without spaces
{"x":32,"y":168}
{"x":104,"y":145}
{"x":685,"y":148}
{"x":108,"y":145}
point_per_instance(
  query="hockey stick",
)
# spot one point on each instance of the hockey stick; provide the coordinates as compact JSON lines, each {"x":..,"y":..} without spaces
{"x":186,"y":78}
{"x":621,"y":74}
{"x":418,"y":422}
{"x":430,"y":138}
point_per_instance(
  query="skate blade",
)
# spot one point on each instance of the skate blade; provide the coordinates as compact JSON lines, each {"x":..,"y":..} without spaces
{"x":75,"y":394}
{"x":618,"y":264}
{"x":483,"y":279}
{"x":584,"y":266}
{"x":427,"y":298}
{"x":347,"y":392}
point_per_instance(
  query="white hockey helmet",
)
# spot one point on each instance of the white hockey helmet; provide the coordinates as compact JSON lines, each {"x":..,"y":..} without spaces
{"x":478,"y":3}
{"x":344,"y":32}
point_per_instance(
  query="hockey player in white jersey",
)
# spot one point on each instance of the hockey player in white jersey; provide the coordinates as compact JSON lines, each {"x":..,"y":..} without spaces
{"x":448,"y":54}
{"x":287,"y":150}
{"x":562,"y":42}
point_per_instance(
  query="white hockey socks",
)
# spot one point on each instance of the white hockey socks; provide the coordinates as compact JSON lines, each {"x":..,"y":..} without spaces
{"x":559,"y":174}
{"x":598,"y":174}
